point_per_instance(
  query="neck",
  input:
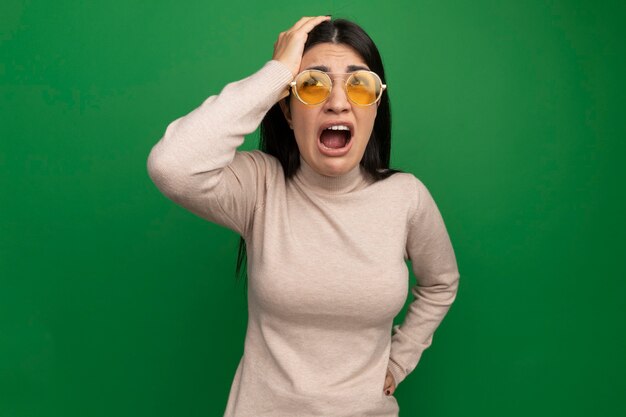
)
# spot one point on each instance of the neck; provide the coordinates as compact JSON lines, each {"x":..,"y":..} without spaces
{"x":353,"y":180}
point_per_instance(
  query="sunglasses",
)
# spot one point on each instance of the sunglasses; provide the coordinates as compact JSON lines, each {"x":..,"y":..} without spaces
{"x":362,"y":87}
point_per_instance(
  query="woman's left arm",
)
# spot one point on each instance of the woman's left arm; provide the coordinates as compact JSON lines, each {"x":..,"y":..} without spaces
{"x":434,"y":265}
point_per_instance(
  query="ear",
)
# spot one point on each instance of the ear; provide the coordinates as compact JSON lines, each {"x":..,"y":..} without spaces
{"x":284,"y":106}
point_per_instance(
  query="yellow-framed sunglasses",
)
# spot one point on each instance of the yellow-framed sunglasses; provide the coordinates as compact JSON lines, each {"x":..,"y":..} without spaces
{"x":362,"y":87}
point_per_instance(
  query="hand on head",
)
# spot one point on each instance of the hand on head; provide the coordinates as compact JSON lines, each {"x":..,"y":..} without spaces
{"x":289,"y":47}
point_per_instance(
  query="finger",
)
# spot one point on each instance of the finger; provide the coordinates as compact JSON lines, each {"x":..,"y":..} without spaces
{"x":295,"y":25}
{"x":389,"y":388}
{"x":288,"y":48}
{"x":304,"y":25}
{"x":311,"y":23}
{"x":300,"y":23}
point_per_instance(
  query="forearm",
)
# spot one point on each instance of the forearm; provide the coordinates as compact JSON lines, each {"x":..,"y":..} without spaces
{"x":424,"y":315}
{"x":195,"y":147}
{"x":434,"y":265}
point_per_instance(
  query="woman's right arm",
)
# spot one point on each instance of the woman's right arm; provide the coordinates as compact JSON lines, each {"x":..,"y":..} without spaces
{"x":195,"y":163}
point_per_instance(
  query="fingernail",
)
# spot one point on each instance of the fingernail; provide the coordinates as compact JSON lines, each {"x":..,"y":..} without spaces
{"x":387,"y":392}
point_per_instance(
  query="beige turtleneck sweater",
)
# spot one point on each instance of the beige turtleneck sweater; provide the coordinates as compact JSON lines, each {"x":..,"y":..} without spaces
{"x":327,"y":258}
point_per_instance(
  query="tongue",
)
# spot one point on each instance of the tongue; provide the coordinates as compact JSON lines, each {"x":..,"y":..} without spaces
{"x":333,"y":138}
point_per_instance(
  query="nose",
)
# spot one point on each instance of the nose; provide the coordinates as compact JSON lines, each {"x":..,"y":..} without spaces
{"x":337,"y":101}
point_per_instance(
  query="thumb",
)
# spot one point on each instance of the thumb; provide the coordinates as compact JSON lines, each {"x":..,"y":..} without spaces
{"x":390,"y":385}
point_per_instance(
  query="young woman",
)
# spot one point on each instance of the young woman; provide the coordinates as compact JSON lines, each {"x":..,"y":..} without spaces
{"x":327,"y":225}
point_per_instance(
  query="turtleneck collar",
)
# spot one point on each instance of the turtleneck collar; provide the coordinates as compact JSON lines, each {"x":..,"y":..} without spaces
{"x":352,"y":180}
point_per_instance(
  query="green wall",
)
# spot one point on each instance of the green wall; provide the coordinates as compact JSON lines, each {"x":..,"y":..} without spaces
{"x":116,"y":302}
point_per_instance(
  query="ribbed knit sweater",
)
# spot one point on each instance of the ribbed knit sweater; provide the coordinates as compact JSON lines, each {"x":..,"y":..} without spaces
{"x":327,"y":270}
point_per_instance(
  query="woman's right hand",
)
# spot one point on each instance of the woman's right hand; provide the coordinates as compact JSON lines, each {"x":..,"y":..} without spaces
{"x":289,"y":47}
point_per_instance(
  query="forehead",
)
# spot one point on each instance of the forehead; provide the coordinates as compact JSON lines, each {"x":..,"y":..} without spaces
{"x":337,"y":57}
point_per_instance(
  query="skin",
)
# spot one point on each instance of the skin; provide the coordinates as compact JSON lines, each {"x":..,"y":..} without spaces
{"x":306,"y":120}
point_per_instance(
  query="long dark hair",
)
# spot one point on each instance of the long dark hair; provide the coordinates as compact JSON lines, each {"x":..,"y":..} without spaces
{"x":276,"y":138}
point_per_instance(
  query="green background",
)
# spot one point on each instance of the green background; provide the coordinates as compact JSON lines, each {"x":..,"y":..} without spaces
{"x":114,"y":301}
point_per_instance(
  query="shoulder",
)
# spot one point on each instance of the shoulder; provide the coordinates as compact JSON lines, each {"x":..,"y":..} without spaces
{"x":412,"y":190}
{"x":407,"y":185}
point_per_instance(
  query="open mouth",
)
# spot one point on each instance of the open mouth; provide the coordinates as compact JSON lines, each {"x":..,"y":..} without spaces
{"x":335,"y":137}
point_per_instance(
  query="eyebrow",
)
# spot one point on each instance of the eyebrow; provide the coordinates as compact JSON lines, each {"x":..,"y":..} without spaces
{"x":349,"y":68}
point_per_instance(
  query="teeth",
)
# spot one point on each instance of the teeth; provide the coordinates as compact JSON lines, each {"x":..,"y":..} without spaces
{"x":338,"y":127}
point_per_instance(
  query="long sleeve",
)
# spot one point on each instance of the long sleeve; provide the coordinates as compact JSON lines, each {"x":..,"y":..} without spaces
{"x":196,"y":163}
{"x":434,"y":265}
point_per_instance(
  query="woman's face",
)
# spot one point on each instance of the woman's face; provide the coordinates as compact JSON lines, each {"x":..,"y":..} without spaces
{"x":308,"y":121}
